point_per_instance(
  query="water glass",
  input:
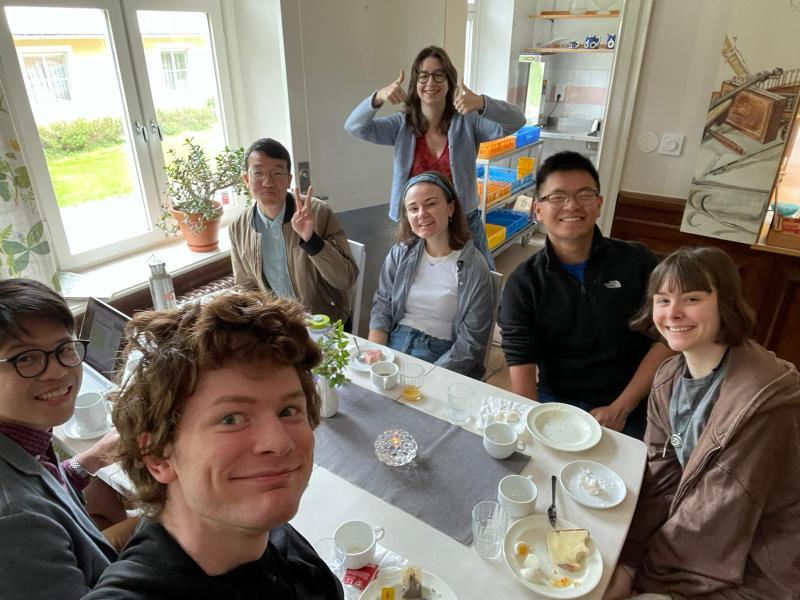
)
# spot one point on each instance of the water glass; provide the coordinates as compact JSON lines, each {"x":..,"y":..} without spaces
{"x":489,"y":524}
{"x":413,"y":375}
{"x":333,"y":555}
{"x":459,"y":401}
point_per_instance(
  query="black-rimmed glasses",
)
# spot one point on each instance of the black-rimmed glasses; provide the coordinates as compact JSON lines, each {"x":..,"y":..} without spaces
{"x":424,"y":76}
{"x":32,"y":363}
{"x":582,"y":197}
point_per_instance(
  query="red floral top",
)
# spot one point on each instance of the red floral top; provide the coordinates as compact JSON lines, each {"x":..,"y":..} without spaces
{"x":424,"y":160}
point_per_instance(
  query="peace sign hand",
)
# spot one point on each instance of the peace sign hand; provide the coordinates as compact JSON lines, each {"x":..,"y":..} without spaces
{"x":393,"y":92}
{"x":303,"y":218}
{"x":468,"y":101}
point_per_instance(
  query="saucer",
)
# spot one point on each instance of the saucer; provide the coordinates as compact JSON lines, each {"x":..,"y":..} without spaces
{"x":563,"y":427}
{"x":72,"y":430}
{"x":609,"y":488}
{"x":359,"y":365}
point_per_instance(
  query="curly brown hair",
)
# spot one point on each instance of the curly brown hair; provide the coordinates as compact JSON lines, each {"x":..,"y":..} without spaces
{"x":176,"y":346}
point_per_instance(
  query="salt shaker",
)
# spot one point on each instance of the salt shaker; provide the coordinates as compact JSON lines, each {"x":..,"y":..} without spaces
{"x":161,"y":288}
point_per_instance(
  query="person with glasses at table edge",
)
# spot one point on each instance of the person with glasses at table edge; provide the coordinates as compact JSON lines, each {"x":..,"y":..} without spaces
{"x":216,"y":434}
{"x":292,"y":245}
{"x":50,"y":544}
{"x":439,"y":129}
{"x":565,"y":312}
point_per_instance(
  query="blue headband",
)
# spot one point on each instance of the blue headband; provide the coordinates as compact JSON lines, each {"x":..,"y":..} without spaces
{"x":429,"y":177}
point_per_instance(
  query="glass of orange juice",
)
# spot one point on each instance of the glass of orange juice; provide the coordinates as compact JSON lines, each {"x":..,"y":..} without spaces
{"x":413,"y":375}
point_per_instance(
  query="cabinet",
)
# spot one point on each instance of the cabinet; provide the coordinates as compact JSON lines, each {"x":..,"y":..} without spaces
{"x":507,"y":159}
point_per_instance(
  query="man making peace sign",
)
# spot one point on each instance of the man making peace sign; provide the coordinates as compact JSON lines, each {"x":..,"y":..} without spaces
{"x":290,"y":244}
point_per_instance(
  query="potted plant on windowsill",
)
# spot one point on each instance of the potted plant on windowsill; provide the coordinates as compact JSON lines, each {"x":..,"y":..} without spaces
{"x":193,"y":180}
{"x":331,"y":370}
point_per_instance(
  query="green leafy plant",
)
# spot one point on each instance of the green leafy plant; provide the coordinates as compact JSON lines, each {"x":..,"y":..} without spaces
{"x":335,"y":356}
{"x":194,"y":179}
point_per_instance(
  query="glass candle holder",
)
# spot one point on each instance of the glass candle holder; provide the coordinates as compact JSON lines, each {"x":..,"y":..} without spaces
{"x":395,"y":447}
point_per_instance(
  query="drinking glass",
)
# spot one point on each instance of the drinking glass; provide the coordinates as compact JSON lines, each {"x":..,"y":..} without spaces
{"x":413,"y":375}
{"x":333,"y":555}
{"x":489,"y":524}
{"x":459,"y":401}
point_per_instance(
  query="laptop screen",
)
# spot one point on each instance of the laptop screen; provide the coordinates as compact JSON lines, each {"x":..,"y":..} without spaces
{"x":103,"y":326}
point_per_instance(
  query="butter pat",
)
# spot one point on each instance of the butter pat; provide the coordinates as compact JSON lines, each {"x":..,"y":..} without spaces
{"x":567,"y":548}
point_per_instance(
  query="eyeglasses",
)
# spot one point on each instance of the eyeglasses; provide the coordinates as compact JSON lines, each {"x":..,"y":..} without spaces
{"x":424,"y":76}
{"x":582,"y":197}
{"x":33,"y":363}
{"x":274,"y":174}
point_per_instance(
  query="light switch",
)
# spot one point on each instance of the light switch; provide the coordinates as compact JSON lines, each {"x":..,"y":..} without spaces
{"x":671,"y":144}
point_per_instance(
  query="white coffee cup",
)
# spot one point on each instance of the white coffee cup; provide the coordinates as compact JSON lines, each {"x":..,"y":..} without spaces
{"x":91,"y":413}
{"x":358,"y":540}
{"x":384,"y":375}
{"x":517,"y":495}
{"x":500,"y":440}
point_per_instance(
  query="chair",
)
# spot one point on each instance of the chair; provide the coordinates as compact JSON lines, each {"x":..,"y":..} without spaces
{"x":497,"y":287}
{"x":359,"y":252}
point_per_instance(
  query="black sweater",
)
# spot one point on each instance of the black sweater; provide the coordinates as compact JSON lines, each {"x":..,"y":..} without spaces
{"x":153,"y":566}
{"x":578,"y":335}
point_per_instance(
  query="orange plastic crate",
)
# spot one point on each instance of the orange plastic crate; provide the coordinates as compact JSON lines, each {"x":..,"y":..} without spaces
{"x":495,"y":234}
{"x":495,"y":191}
{"x":495,"y":147}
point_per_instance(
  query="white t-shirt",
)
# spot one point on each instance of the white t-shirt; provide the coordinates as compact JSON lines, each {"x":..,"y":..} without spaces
{"x":432,"y":301}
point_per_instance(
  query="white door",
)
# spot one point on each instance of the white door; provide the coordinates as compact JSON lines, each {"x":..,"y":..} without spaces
{"x":336,"y":54}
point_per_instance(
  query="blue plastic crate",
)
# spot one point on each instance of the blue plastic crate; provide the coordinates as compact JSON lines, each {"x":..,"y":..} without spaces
{"x":527,"y":135}
{"x":512,"y":220}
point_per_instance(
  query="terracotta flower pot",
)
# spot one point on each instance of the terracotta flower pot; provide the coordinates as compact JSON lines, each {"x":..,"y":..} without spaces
{"x":199,"y":239}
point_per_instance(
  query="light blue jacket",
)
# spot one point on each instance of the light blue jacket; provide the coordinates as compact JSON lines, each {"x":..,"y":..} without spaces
{"x":463,"y":138}
{"x":472,"y":324}
{"x":49,"y":547}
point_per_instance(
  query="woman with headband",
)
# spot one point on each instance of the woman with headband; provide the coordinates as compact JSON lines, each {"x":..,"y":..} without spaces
{"x":434,"y":298}
{"x":440,"y":129}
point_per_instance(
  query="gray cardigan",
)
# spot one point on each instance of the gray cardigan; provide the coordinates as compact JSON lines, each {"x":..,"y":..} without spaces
{"x":463,"y":138}
{"x":49,"y":547}
{"x":472,"y":324}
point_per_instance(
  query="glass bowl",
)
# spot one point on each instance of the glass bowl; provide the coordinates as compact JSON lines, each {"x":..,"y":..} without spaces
{"x":395,"y":447}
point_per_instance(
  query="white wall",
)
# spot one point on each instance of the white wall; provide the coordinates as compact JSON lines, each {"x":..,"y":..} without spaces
{"x":678,"y":72}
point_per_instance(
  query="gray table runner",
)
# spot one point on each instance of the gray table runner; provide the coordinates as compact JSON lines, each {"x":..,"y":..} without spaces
{"x":452,"y":471}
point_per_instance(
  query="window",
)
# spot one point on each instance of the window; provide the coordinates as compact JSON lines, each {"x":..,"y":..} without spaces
{"x":471,"y":51}
{"x":47,"y":76}
{"x":176,"y":73}
{"x":101,"y":94}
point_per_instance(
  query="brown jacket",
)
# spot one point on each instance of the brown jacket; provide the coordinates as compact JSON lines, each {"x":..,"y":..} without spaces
{"x":322,"y":270}
{"x":728,"y":526}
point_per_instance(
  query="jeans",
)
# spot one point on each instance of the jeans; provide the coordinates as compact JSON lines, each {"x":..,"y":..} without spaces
{"x":479,"y":236}
{"x":634,"y":424}
{"x":417,"y":344}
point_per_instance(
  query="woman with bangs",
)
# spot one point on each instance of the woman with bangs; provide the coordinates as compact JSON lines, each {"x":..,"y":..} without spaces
{"x":434,"y":298}
{"x":440,"y":129}
{"x":718,"y":511}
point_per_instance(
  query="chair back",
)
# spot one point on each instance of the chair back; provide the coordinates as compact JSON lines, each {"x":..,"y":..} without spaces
{"x":359,"y":252}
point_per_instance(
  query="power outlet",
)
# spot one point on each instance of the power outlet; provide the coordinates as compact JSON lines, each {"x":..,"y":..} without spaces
{"x":561,"y":90}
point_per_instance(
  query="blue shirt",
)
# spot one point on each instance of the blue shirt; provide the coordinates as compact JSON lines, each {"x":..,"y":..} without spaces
{"x":274,"y":264}
{"x":577,"y":270}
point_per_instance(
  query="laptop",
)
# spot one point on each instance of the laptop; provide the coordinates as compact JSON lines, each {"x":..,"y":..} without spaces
{"x":103,"y":326}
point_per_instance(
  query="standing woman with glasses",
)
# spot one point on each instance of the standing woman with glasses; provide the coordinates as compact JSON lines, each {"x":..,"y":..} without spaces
{"x":434,"y":298}
{"x":439,"y":129}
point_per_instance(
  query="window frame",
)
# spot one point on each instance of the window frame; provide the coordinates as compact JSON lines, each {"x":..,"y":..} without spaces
{"x":125,"y":42}
{"x":41,"y":52}
{"x":171,"y":52}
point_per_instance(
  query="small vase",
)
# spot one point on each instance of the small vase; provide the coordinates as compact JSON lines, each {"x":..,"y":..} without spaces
{"x":329,"y":397}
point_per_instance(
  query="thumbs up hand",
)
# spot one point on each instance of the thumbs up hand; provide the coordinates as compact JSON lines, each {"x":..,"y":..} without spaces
{"x":468,"y":101}
{"x":393,"y":92}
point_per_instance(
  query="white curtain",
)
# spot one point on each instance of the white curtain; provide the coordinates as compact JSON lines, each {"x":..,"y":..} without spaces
{"x":25,"y":250}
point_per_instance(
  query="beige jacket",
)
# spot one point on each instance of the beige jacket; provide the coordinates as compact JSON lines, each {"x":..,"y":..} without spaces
{"x":728,"y":526}
{"x":322,"y":270}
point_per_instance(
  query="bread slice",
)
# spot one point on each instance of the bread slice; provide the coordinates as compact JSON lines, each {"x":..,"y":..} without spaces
{"x":567,"y":548}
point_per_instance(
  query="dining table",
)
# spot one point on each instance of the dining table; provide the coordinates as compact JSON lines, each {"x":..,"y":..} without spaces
{"x":330,"y":499}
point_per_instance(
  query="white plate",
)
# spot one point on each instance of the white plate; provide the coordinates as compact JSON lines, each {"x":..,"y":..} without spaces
{"x":563,"y":427}
{"x":359,"y":365}
{"x":72,"y":430}
{"x":533,"y":531}
{"x":611,"y":488}
{"x":432,"y":586}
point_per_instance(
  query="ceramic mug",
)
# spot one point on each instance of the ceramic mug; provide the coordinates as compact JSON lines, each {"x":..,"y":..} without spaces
{"x":500,"y":440}
{"x":517,"y":495}
{"x":91,"y":413}
{"x":384,"y":375}
{"x":358,"y":540}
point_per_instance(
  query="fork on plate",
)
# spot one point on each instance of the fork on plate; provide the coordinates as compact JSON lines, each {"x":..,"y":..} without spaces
{"x":551,"y":510}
